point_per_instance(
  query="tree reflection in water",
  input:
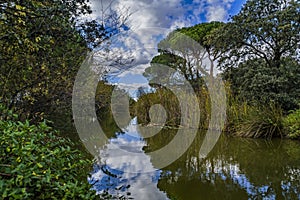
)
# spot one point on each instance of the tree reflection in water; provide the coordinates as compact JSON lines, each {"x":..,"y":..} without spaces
{"x":235,"y":169}
{"x":126,"y":175}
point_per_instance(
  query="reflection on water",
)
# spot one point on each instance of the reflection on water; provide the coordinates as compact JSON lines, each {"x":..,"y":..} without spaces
{"x":121,"y":168}
{"x":235,"y":169}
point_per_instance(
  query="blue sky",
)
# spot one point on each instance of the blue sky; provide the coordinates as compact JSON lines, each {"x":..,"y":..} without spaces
{"x":170,"y":13}
{"x":150,"y":21}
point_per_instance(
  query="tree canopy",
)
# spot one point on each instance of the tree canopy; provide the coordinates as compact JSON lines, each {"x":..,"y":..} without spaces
{"x":186,"y":50}
{"x":42,"y":46}
{"x":260,"y":52}
{"x":262,"y":29}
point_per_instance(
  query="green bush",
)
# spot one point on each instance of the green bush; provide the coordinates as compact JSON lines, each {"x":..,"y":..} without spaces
{"x":37,"y":164}
{"x":254,"y":81}
{"x":6,"y":114}
{"x":292,"y":124}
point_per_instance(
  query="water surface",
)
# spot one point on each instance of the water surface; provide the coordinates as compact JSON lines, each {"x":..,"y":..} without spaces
{"x":235,"y":169}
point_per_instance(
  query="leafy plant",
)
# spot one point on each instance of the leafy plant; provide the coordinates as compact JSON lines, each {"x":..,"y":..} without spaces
{"x":42,"y":46}
{"x":37,"y":164}
{"x":292,"y":124}
{"x":267,"y":30}
{"x":260,"y":52}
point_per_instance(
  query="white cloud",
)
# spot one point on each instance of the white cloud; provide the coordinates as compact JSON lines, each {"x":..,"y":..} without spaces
{"x":125,"y":154}
{"x":152,"y":20}
{"x":148,"y":18}
{"x":216,"y":13}
{"x":217,"y":10}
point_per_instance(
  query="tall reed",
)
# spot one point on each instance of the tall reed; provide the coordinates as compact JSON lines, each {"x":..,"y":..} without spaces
{"x":171,"y":104}
{"x":260,"y":122}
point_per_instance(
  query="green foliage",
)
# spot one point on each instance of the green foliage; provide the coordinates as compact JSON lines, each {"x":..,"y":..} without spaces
{"x":6,"y":114}
{"x":260,"y":52}
{"x":42,"y":46}
{"x":103,"y":96}
{"x":201,"y":33}
{"x":185,"y":49}
{"x":164,"y":97}
{"x":292,"y":124}
{"x":179,"y":64}
{"x":255,"y":81}
{"x":37,"y":164}
{"x":262,"y":29}
{"x":40,"y":54}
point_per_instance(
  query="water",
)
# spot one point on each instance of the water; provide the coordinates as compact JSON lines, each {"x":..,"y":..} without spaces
{"x":235,"y":169}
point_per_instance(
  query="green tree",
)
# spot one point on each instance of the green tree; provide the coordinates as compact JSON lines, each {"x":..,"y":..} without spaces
{"x":260,"y":52}
{"x":262,"y":29}
{"x":254,"y":81}
{"x":42,"y":46}
{"x":202,"y":34}
{"x":186,"y":50}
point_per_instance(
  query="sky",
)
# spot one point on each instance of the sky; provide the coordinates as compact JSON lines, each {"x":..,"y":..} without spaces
{"x":149,"y":22}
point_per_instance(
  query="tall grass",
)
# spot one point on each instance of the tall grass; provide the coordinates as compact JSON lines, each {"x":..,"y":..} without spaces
{"x":244,"y":119}
{"x":171,"y":104}
{"x":261,"y":122}
{"x":253,"y":120}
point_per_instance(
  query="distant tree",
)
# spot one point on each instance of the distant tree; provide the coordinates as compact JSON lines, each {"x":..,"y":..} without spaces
{"x":180,"y":52}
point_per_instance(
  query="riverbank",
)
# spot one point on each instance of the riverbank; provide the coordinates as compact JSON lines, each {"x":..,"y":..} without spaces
{"x":243,"y":119}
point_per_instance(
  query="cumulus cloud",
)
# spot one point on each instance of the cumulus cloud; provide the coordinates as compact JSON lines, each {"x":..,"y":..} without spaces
{"x":152,"y":20}
{"x":124,"y":157}
{"x":217,"y":10}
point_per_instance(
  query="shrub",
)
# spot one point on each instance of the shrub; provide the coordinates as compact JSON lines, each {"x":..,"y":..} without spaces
{"x":37,"y":164}
{"x":292,"y":124}
{"x":254,"y":81}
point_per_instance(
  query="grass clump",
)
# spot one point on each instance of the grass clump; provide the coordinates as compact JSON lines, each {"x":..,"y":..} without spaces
{"x":170,"y":102}
{"x":261,"y":122}
{"x":254,"y":121}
